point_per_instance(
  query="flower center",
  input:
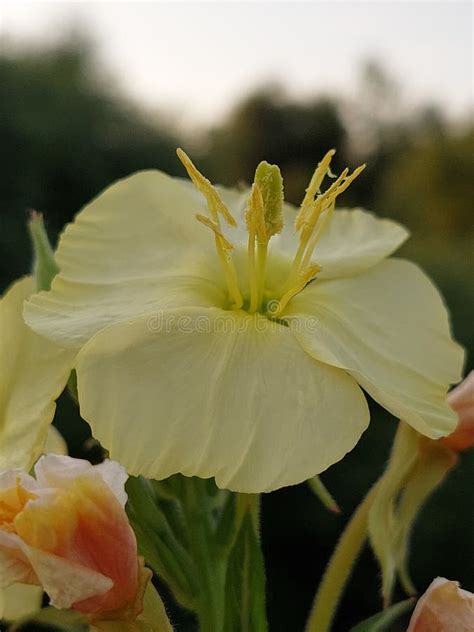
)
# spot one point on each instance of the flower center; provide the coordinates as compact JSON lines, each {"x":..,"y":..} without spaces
{"x":264,"y":218}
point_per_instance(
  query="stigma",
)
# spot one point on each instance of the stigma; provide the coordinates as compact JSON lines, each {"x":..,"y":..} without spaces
{"x":264,"y":219}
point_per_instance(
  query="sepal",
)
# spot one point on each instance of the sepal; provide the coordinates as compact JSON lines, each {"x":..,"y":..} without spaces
{"x":416,"y":467}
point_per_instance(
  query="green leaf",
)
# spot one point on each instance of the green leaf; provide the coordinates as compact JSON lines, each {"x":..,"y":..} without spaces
{"x":381,"y":621}
{"x":245,"y":584}
{"x":53,"y":620}
{"x":157,"y":541}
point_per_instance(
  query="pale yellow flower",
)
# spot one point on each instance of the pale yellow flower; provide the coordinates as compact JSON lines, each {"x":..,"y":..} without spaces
{"x":243,"y":361}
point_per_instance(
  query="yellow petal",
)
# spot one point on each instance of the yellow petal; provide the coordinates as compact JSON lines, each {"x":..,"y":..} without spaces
{"x":33,"y":373}
{"x":135,"y":248}
{"x":387,"y":327}
{"x":352,"y":241}
{"x":54,"y":443}
{"x":19,"y":600}
{"x":216,"y":393}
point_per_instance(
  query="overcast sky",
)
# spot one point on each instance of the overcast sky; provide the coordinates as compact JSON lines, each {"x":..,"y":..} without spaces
{"x":197,"y":57}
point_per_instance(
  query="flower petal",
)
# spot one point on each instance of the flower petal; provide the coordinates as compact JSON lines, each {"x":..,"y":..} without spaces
{"x":53,"y":470}
{"x":217,"y":393}
{"x":14,"y":564}
{"x":353,"y":241}
{"x":444,"y":607}
{"x":388,"y":328}
{"x":135,"y":248}
{"x":33,"y":373}
{"x":55,"y":442}
{"x":65,"y":582}
{"x":20,"y":600}
{"x":461,"y":400}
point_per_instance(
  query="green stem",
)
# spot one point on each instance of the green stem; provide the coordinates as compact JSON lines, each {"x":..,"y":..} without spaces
{"x":210,"y":607}
{"x":339,"y":568}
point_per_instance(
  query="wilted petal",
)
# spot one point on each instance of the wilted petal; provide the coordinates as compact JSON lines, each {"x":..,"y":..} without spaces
{"x":14,"y":564}
{"x":444,"y":607}
{"x":70,"y":535}
{"x":461,"y":400}
{"x":66,"y":582}
{"x":59,"y":471}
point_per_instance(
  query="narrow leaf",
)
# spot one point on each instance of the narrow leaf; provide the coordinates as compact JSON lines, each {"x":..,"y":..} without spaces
{"x":380,"y":622}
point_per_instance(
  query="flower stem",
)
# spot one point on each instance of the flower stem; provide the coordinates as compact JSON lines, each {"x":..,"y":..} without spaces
{"x":210,"y":607}
{"x":339,"y":568}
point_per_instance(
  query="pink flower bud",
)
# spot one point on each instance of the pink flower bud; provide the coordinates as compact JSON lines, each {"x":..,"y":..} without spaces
{"x":461,"y":400}
{"x":68,"y":532}
{"x":443,"y":608}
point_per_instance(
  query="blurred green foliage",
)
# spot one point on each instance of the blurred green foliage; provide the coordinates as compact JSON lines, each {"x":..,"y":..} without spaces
{"x":66,"y":134}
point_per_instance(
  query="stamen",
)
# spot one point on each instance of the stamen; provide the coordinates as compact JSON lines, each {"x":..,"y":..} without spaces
{"x":329,"y":206}
{"x":313,"y":187}
{"x":224,"y":249}
{"x":310,"y":213}
{"x":214,"y":202}
{"x":214,"y":226}
{"x":303,"y":280}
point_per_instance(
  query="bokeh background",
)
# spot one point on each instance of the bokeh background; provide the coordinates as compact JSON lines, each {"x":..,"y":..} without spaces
{"x":90,"y":92}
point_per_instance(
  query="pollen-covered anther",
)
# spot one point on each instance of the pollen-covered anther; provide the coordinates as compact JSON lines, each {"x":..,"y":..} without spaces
{"x":224,"y":249}
{"x":221,"y":241}
{"x":214,"y":202}
{"x":314,"y":214}
{"x":314,"y":186}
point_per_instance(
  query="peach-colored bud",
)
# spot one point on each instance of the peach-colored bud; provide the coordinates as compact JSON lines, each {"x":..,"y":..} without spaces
{"x":461,"y":400}
{"x":443,"y":608}
{"x":68,"y":532}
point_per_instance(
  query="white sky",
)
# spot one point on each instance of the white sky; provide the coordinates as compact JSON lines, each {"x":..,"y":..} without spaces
{"x":198,"y":57}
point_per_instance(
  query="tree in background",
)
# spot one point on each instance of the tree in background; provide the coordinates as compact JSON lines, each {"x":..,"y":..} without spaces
{"x":66,"y":134}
